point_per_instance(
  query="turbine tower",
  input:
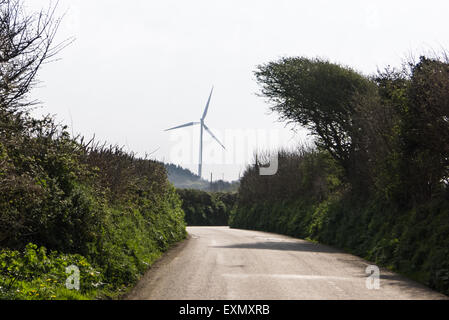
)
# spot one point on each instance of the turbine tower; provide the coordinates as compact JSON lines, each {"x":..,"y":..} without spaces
{"x":203,"y":127}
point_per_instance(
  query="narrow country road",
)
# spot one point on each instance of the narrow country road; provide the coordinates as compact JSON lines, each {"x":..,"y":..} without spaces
{"x":222,"y":263}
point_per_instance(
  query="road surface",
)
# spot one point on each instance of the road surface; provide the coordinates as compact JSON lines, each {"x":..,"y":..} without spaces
{"x":229,"y":264}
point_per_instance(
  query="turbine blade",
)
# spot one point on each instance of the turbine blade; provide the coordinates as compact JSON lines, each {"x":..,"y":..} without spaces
{"x":207,"y":105}
{"x":184,"y":125}
{"x":213,"y":136}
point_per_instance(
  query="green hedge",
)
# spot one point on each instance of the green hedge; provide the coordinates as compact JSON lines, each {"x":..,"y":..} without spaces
{"x":206,"y":208}
{"x":412,"y":242}
{"x":99,"y":205}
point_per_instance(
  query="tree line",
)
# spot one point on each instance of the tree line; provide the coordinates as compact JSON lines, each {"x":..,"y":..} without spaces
{"x":203,"y":208}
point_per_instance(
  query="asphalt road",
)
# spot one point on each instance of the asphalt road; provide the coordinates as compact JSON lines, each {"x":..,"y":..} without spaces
{"x":222,"y":263}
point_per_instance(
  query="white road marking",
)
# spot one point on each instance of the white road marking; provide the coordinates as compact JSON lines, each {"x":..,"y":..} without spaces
{"x":285,"y":276}
{"x":273,"y":239}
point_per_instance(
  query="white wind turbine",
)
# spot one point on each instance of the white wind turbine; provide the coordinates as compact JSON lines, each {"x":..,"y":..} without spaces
{"x":203,"y":126}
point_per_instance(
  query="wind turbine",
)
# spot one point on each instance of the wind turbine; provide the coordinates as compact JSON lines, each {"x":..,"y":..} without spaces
{"x":203,"y":127}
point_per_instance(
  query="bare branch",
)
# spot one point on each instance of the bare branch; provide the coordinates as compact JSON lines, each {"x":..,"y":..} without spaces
{"x":26,"y":42}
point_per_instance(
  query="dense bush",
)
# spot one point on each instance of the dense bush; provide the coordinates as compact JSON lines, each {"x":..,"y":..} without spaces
{"x":376,"y":183}
{"x":104,"y":210}
{"x":117,"y":212}
{"x":205,"y":208}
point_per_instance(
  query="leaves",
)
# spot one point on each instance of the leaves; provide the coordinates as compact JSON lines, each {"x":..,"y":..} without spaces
{"x":33,"y":274}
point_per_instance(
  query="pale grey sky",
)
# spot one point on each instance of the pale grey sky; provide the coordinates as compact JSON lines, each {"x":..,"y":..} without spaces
{"x":138,"y":67}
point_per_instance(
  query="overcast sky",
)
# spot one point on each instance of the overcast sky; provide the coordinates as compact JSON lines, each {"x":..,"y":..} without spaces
{"x":138,"y":67}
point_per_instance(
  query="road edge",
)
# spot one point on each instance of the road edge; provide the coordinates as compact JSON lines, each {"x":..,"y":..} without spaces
{"x":166,"y":258}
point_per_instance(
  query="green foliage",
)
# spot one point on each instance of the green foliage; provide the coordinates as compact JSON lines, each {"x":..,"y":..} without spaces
{"x":117,"y":211}
{"x":388,"y":200}
{"x":120,"y":217}
{"x":206,"y":209}
{"x":308,"y":172}
{"x":316,"y":94}
{"x":102,"y":208}
{"x":414,"y":243}
{"x":34,"y":275}
{"x":98,"y":206}
{"x":425,"y":129}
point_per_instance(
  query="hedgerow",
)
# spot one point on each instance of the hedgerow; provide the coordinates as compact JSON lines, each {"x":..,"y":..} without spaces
{"x":375,"y":183}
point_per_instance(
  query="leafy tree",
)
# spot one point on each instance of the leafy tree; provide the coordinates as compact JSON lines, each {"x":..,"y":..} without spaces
{"x":317,"y":95}
{"x":426,"y":128}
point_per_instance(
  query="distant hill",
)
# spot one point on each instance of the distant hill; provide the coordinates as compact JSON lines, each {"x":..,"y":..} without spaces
{"x":183,"y":178}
